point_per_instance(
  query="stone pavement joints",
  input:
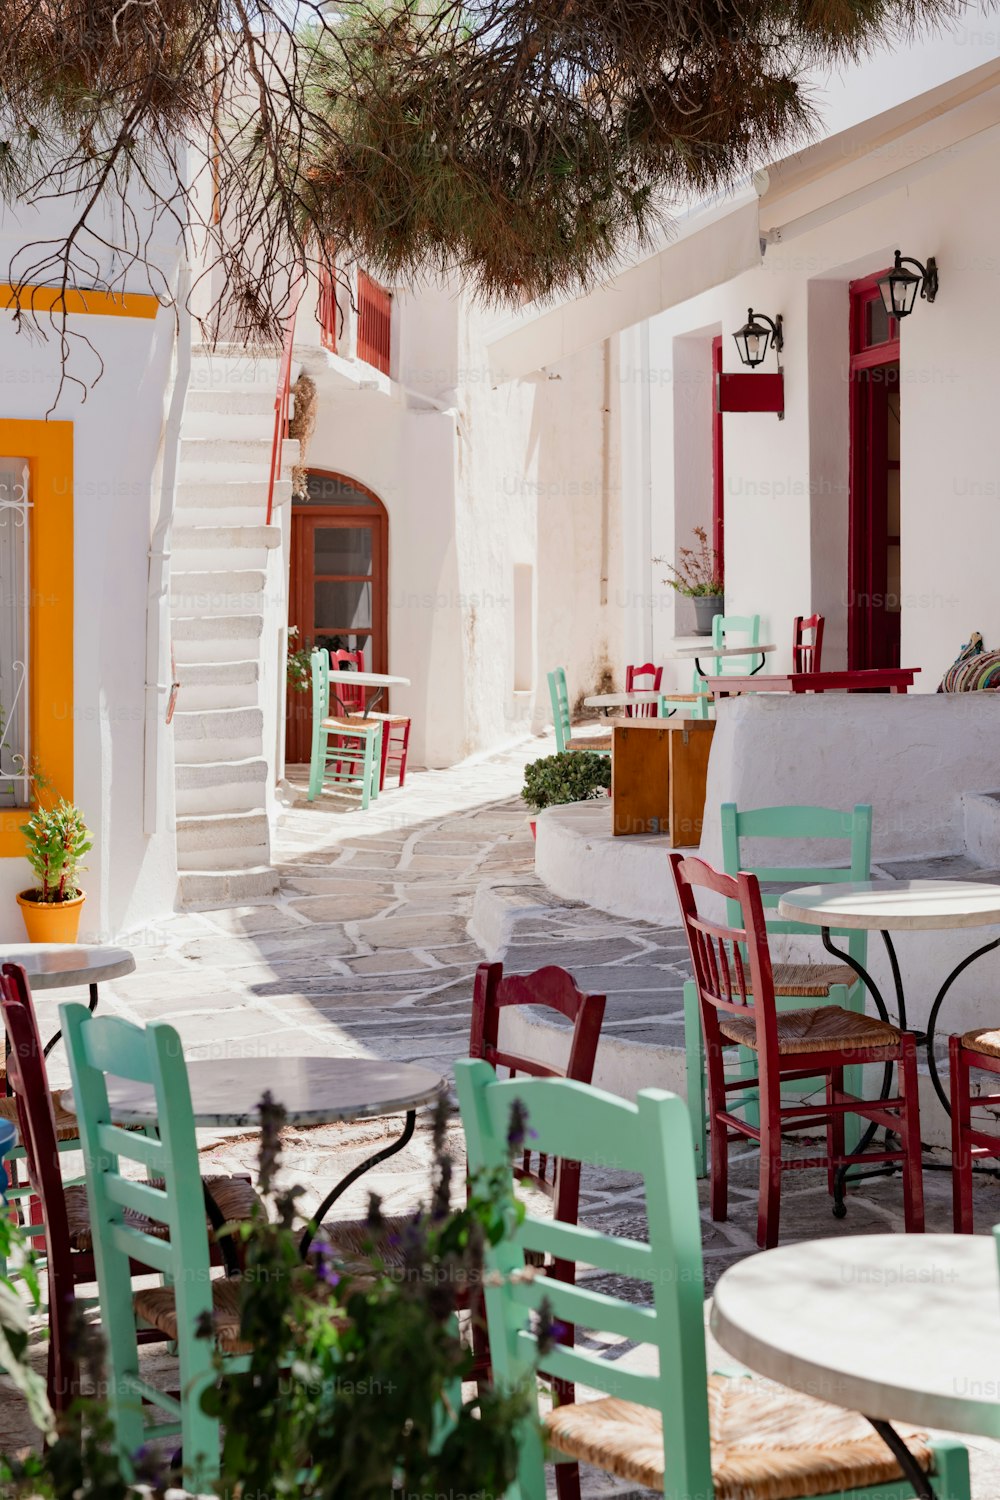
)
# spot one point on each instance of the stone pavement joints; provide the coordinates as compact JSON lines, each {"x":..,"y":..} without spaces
{"x":365,"y":951}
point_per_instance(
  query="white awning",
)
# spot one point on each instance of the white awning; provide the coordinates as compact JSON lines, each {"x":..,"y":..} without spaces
{"x":707,"y":248}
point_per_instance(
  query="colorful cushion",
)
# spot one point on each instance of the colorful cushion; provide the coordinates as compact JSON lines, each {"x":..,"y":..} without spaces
{"x":973,"y":669}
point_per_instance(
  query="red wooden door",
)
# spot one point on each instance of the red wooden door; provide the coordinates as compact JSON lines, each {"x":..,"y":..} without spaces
{"x":338,"y":585}
{"x":874,"y":537}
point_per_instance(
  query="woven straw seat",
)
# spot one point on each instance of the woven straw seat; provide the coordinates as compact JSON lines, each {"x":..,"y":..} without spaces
{"x":985,"y":1040}
{"x":828,"y":1028}
{"x":806,"y":979}
{"x":355,"y":1244}
{"x":156,"y":1305}
{"x":767,"y":1443}
{"x":589,"y":742}
{"x":349,"y":726}
{"x":234,"y":1197}
{"x":67,"y":1125}
{"x":686,"y":697}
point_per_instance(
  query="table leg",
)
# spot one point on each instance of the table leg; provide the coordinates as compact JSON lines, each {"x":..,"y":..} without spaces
{"x":374,"y":700}
{"x":935,"y":1008}
{"x":225,"y":1242}
{"x":756,"y":669}
{"x":912,"y":1472}
{"x":352,"y":1177}
{"x":92,"y":1005}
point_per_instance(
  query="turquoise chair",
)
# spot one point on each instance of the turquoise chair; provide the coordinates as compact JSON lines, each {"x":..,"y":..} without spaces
{"x":97,"y":1046}
{"x":354,"y":758}
{"x":797,"y":986}
{"x":655,"y":1429}
{"x":559,"y":694}
{"x":699,"y":701}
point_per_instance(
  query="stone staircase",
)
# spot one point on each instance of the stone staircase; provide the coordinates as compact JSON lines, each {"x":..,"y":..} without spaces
{"x":219,"y":569}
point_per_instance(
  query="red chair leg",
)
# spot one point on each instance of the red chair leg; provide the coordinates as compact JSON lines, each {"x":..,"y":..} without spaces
{"x":835,"y":1128}
{"x":961,"y":1148}
{"x":404,"y":748}
{"x":913,"y":1174}
{"x":769,"y":1199}
{"x":718,"y":1132}
{"x":386,"y":737}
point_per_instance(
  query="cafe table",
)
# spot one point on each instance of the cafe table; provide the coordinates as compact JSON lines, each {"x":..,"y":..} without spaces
{"x":312,"y":1090}
{"x":58,"y":966}
{"x":898,"y":1327}
{"x":709,"y":652}
{"x":866,"y":680}
{"x":377,"y":680}
{"x":622,"y":700}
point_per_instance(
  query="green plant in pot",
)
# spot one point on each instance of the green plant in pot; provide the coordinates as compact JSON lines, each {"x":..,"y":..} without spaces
{"x":570,"y":776}
{"x":697,"y":575}
{"x":57,"y":840}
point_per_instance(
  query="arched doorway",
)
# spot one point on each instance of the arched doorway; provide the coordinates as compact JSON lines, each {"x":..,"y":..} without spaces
{"x":338,"y":588}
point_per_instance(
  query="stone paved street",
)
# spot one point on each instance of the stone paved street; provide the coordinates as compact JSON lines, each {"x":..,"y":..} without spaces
{"x":366,"y":951}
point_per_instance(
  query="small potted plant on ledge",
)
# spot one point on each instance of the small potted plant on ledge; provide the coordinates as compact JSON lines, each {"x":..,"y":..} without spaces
{"x":698,"y":576}
{"x":57,"y":839}
{"x":570,"y":776}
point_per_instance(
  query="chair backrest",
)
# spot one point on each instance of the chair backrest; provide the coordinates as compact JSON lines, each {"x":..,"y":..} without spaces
{"x":800,"y":824}
{"x":807,"y":656}
{"x":352,"y":698}
{"x":37,"y":1126}
{"x":98,"y":1046}
{"x":731,"y":964}
{"x":319,"y":663}
{"x":550,"y":988}
{"x":724,"y":628}
{"x":632,"y":685}
{"x":559,"y":693}
{"x":650,"y":1138}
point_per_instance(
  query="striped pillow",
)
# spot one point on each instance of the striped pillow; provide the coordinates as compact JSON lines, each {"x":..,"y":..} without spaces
{"x":973,"y":670}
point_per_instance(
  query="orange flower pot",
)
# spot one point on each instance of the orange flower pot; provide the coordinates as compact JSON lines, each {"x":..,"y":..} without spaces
{"x":51,"y":921}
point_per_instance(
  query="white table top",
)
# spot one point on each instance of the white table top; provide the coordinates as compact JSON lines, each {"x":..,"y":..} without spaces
{"x":622,"y":700}
{"x":55,"y":966}
{"x":369,"y":679}
{"x":899,"y":1327}
{"x":314,"y":1090}
{"x":894,"y":905}
{"x":684,"y":652}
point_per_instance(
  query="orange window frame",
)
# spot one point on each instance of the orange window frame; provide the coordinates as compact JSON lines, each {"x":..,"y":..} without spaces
{"x":48,"y":448}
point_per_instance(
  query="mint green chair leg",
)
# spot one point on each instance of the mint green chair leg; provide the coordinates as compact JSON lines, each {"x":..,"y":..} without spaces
{"x":694,"y":1067}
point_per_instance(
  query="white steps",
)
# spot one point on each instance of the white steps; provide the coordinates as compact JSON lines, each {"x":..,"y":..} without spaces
{"x":220,"y":547}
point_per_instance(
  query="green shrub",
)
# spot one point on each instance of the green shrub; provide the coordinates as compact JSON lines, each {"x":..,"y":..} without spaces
{"x":571,"y":776}
{"x":58,"y":838}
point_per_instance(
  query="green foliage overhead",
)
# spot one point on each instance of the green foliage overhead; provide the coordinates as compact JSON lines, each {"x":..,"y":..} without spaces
{"x":570,"y":776}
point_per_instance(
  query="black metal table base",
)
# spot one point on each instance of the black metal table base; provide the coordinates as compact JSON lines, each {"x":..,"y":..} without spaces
{"x":352,"y":1177}
{"x":935,"y":1009}
{"x":53,"y":1040}
{"x":912,"y":1472}
{"x":749,"y":652}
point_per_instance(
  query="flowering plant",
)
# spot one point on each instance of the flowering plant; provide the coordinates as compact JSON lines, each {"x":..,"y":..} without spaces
{"x":297,"y":664}
{"x":697,"y":573}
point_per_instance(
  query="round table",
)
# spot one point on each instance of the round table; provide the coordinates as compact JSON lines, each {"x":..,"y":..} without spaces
{"x":720,"y":653}
{"x":622,"y":700}
{"x":850,"y":1321}
{"x":378,"y":680}
{"x":313,"y":1091}
{"x":58,"y":966}
{"x":886,"y":906}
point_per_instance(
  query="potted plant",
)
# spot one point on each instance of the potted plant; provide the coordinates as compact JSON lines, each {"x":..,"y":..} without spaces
{"x":570,"y":776}
{"x":698,"y":576}
{"x":57,"y":839}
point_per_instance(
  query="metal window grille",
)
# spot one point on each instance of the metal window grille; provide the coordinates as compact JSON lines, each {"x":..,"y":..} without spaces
{"x":15,"y":642}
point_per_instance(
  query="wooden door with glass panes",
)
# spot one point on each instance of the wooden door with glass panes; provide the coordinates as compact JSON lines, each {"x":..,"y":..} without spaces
{"x":338,"y":586}
{"x":874,"y":582}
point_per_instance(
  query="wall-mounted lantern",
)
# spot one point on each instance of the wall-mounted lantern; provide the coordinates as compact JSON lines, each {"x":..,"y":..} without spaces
{"x":899,"y":287}
{"x":756,"y":334}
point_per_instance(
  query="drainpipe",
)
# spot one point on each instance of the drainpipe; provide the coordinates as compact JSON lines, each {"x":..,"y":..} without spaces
{"x":158,"y":584}
{"x":605,"y":473}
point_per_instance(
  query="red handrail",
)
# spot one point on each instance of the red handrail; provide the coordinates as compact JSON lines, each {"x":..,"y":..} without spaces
{"x":282,"y":398}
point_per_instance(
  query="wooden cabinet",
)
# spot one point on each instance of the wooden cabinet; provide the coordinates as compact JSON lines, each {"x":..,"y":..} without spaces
{"x":659,"y":769}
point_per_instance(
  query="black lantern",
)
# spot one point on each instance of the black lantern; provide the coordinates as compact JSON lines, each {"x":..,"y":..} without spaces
{"x":899,"y":287}
{"x":755,"y":335}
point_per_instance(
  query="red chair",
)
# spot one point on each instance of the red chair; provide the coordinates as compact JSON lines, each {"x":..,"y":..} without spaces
{"x":550,"y":989}
{"x":807,"y":656}
{"x":655,"y":674}
{"x":395,"y":727}
{"x":978,"y":1049}
{"x":68,"y":1239}
{"x":735,"y":984}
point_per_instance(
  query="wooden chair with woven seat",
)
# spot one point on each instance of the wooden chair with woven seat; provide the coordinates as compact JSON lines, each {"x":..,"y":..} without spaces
{"x":346,"y":751}
{"x":395,"y":727}
{"x":551,"y":989}
{"x":807,"y":656}
{"x":979,"y":1050}
{"x":151,"y":1055}
{"x":644,"y":679}
{"x":735,"y":983}
{"x":65,"y":1219}
{"x":565,"y":739}
{"x":661,"y":1422}
{"x":796,"y":985}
